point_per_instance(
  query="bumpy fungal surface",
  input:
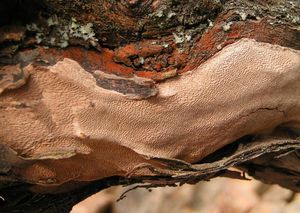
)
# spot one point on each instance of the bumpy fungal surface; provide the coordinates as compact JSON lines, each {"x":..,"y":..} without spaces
{"x":62,"y":126}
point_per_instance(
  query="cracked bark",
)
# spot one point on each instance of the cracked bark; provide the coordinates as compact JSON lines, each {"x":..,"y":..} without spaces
{"x":134,"y":48}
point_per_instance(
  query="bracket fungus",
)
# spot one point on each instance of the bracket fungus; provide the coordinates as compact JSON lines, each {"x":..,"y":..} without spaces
{"x":123,"y":101}
{"x":63,"y":126}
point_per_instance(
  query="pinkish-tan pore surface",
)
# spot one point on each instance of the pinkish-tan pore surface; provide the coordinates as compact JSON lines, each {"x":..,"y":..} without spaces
{"x":61,"y":113}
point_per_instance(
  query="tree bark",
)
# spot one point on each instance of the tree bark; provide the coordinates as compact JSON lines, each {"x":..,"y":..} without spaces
{"x":107,"y":92}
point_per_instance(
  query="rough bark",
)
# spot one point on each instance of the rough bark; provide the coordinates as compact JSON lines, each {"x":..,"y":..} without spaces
{"x":86,"y":99}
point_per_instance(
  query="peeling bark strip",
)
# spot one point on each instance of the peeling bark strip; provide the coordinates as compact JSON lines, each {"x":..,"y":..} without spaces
{"x":135,"y":88}
{"x":181,"y":172}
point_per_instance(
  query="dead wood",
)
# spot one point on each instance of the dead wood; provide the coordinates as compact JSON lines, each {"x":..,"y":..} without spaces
{"x":99,"y":93}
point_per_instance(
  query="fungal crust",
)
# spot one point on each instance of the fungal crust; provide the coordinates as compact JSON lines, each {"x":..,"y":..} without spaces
{"x":248,"y":88}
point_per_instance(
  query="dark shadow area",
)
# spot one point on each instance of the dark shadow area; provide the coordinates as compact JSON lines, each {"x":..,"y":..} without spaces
{"x":19,"y":11}
{"x":18,"y":198}
{"x":227,"y":150}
